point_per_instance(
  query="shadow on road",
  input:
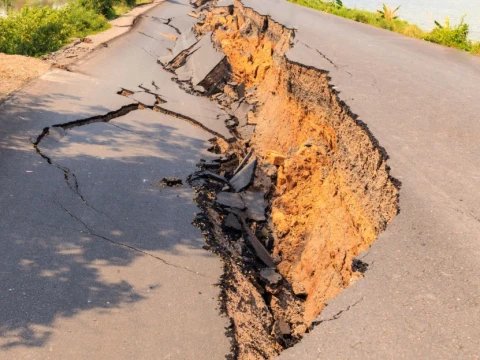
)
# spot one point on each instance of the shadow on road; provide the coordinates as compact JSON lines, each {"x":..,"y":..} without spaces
{"x":70,"y":226}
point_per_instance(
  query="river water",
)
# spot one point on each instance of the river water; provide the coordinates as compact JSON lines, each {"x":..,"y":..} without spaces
{"x":17,"y":4}
{"x":420,"y":12}
{"x":424,"y":12}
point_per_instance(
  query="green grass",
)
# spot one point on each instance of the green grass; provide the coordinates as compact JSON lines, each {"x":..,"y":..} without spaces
{"x":112,"y":9}
{"x":447,"y":35}
{"x":35,"y":31}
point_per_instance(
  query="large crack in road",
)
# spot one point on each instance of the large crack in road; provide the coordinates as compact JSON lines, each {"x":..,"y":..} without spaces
{"x":236,"y":110}
{"x":291,"y":262}
{"x":314,"y":160}
{"x":58,"y":131}
{"x":280,"y":207}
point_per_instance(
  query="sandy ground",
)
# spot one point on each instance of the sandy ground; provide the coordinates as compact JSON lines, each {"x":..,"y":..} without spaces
{"x":17,"y":70}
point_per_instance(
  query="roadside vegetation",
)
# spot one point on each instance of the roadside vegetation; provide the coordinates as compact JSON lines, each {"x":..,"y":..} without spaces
{"x":37,"y":30}
{"x":455,"y":36}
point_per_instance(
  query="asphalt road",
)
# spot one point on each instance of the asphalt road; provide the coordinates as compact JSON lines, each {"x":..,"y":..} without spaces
{"x":97,"y":260}
{"x":113,"y":269}
{"x":421,"y":297}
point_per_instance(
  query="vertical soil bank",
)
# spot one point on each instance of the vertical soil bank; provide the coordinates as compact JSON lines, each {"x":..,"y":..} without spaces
{"x":333,"y":193}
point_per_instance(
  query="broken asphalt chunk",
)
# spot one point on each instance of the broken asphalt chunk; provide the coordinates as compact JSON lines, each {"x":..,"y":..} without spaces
{"x":246,"y":132}
{"x":205,"y":174}
{"x":256,"y":205}
{"x":257,"y":245}
{"x":184,"y":75}
{"x":199,"y":88}
{"x":271,"y":275}
{"x":184,"y":42}
{"x":241,"y":113}
{"x":243,"y":162}
{"x":281,"y":328}
{"x":244,"y":177}
{"x":232,"y":200}
{"x":209,"y":66}
{"x":232,"y":222}
{"x":211,"y":165}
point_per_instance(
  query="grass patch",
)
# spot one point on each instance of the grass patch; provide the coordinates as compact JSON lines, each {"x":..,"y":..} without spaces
{"x":112,"y":9}
{"x":385,"y":18}
{"x":37,"y":30}
{"x":34,"y":31}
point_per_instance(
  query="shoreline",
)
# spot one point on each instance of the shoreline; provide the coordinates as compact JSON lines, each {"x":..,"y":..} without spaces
{"x":445,"y":33}
{"x":424,"y":13}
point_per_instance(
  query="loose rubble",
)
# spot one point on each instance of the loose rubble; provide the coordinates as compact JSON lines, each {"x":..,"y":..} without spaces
{"x":170,"y":182}
{"x":275,"y":271}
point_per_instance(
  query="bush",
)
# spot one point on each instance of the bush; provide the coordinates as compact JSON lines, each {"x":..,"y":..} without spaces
{"x":83,"y":21}
{"x":104,"y":7}
{"x":35,"y":31}
{"x":131,"y":3}
{"x":456,"y":36}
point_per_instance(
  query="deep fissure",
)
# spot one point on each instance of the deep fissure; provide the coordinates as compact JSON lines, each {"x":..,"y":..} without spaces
{"x":323,"y":175}
{"x":330,"y":192}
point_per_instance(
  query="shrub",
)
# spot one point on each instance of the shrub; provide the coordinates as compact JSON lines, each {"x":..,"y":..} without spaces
{"x":360,"y":17}
{"x":456,"y":36}
{"x":104,"y":7}
{"x":475,"y":48}
{"x":388,"y":13}
{"x":83,"y":20}
{"x":131,"y":3}
{"x":34,"y":31}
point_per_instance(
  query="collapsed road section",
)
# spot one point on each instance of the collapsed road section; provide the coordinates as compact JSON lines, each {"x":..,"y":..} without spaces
{"x":300,"y":191}
{"x":297,"y":190}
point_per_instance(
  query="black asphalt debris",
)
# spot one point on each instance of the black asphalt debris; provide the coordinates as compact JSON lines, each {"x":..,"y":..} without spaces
{"x":232,"y":222}
{"x":260,"y":250}
{"x":271,"y":275}
{"x":170,"y":182}
{"x":256,"y":205}
{"x":244,"y":177}
{"x":232,"y":200}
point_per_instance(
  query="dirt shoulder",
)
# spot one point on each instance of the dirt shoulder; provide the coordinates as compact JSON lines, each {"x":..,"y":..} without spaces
{"x":18,"y":70}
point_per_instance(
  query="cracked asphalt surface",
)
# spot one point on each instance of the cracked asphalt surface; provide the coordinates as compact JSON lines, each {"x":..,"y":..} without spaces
{"x":97,"y":259}
{"x":420,"y":298}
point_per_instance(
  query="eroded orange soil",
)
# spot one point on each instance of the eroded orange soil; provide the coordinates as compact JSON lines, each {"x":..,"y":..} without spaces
{"x":333,"y":193}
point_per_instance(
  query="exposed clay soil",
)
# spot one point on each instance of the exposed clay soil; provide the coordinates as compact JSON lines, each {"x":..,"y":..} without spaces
{"x":331,"y":193}
{"x":324,"y":178}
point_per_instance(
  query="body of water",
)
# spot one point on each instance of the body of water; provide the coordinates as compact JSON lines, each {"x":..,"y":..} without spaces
{"x":424,"y":12}
{"x":420,"y":12}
